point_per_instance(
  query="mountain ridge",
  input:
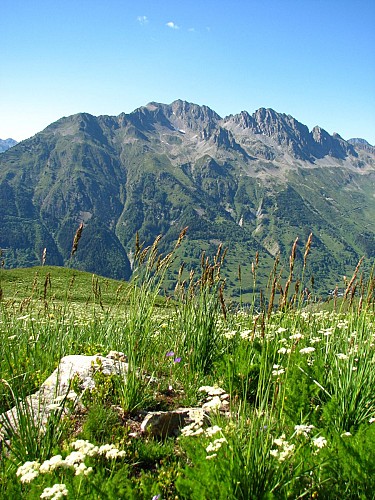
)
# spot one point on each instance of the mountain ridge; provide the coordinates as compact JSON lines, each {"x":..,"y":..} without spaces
{"x":253,"y":182}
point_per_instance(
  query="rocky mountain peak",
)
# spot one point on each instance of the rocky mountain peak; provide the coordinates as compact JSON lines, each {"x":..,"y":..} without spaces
{"x":362,"y":144}
{"x":6,"y":144}
{"x":326,"y":144}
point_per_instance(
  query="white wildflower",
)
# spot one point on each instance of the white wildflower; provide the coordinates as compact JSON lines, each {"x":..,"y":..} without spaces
{"x":245,"y":334}
{"x":104,"y":448}
{"x":55,"y":492}
{"x":307,"y":350}
{"x":215,"y":445}
{"x":281,"y":330}
{"x":85,"y":447}
{"x":371,"y":420}
{"x":210,"y":431}
{"x":114,"y":453}
{"x":303,"y":429}
{"x":284,"y":350}
{"x":211,"y":391}
{"x":315,"y":340}
{"x":341,"y":355}
{"x":82,"y":469}
{"x":277,"y":370}
{"x":29,"y":476}
{"x":319,"y":442}
{"x":74,"y":457}
{"x":52,"y":464}
{"x":213,"y":404}
{"x":285,"y":449}
{"x":193,"y":429}
{"x":346,"y":434}
{"x":280,"y":441}
{"x":230,"y":334}
{"x":296,"y":336}
{"x":27,"y":467}
{"x":209,"y":457}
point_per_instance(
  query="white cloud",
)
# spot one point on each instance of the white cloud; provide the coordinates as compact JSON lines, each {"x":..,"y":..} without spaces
{"x":142,"y":20}
{"x":172,"y":25}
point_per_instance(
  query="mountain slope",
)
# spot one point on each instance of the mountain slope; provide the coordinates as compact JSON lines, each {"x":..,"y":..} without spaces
{"x":252,"y":182}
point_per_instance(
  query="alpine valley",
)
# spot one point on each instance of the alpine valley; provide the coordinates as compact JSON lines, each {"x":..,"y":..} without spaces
{"x":253,"y":182}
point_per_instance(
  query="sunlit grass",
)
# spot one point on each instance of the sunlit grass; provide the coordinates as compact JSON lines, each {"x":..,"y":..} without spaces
{"x":297,"y":379}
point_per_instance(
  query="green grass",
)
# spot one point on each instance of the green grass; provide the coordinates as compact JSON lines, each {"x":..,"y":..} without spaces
{"x":299,"y":381}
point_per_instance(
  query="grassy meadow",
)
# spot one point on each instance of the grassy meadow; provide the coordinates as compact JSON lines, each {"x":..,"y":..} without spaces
{"x":298,"y":378}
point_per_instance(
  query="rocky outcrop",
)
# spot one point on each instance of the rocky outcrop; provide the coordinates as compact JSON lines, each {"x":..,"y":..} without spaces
{"x":56,"y":389}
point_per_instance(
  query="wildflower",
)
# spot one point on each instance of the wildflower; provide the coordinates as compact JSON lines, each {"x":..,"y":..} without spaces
{"x":284,"y":451}
{"x":211,"y":391}
{"x":210,"y":431}
{"x":296,"y":336}
{"x":28,"y":471}
{"x":55,"y":492}
{"x":277,"y":370}
{"x":85,"y":447}
{"x":82,"y":469}
{"x":307,"y":350}
{"x":303,"y":429}
{"x":51,"y":464}
{"x":284,"y":350}
{"x":319,"y":442}
{"x":245,"y":334}
{"x":29,"y":476}
{"x":371,"y":420}
{"x":315,"y":340}
{"x":74,"y":457}
{"x":170,"y":354}
{"x":215,"y":445}
{"x":345,"y":434}
{"x":230,"y":334}
{"x":115,"y":453}
{"x":281,"y":330}
{"x":326,"y":332}
{"x":105,"y":448}
{"x":341,"y":355}
{"x":194,"y":429}
{"x":208,"y":457}
{"x":213,"y":404}
{"x":177,"y":360}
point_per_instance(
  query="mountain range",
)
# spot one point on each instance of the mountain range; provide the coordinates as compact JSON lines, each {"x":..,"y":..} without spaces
{"x":253,"y":182}
{"x":6,"y":144}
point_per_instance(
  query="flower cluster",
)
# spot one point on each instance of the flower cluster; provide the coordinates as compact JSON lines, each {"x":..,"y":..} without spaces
{"x":283,"y":450}
{"x":28,"y":471}
{"x":55,"y":492}
{"x":216,"y":398}
{"x":170,"y":354}
{"x":75,"y":459}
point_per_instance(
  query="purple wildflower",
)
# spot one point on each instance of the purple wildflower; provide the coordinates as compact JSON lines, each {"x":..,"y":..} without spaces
{"x":170,"y":354}
{"x":177,"y":360}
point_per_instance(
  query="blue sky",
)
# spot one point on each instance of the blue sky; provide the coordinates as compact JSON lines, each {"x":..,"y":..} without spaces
{"x":312,"y":59}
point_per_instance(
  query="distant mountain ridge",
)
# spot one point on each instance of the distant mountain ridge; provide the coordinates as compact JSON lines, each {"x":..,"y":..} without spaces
{"x":253,"y":182}
{"x":6,"y":144}
{"x":362,"y":144}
